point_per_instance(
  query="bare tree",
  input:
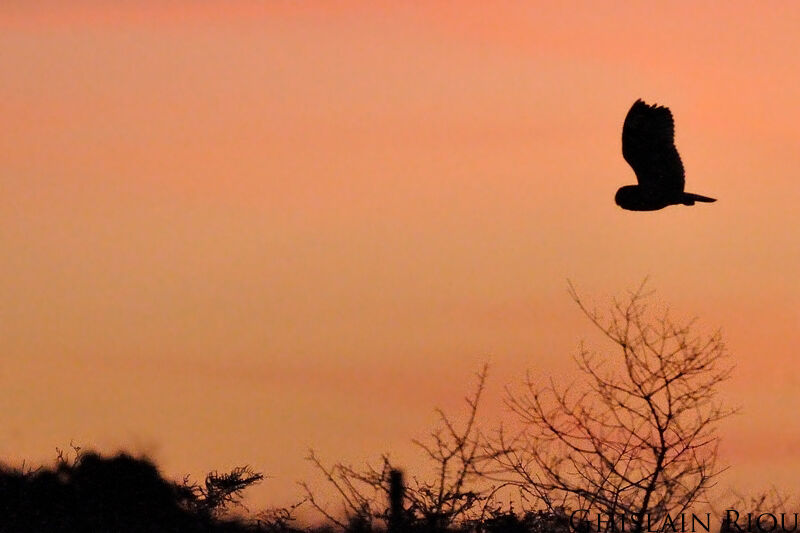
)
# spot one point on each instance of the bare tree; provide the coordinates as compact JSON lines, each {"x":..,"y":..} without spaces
{"x":636,"y":440}
{"x":457,"y":493}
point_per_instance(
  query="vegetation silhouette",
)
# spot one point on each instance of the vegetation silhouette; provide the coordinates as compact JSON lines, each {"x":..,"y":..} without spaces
{"x":636,"y":438}
{"x":454,"y":498}
{"x":648,"y":145}
{"x":118,"y":493}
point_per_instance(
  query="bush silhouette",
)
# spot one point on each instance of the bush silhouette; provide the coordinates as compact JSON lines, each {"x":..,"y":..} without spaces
{"x":120,"y":493}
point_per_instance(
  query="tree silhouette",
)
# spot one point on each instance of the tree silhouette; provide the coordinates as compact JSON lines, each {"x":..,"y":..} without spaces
{"x":456,"y":494}
{"x":637,"y":439}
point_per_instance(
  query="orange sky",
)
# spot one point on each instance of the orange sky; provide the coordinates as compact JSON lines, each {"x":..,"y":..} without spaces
{"x":232,"y":231}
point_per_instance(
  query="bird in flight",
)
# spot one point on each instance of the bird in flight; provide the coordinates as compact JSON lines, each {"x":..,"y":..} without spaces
{"x":648,"y":145}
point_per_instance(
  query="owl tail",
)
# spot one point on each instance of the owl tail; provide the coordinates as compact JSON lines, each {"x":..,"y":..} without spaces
{"x":690,"y":198}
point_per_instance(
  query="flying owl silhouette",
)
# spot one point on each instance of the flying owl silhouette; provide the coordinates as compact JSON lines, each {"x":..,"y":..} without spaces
{"x":649,"y":148}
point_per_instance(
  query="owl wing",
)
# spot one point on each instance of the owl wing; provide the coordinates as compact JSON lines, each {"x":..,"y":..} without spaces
{"x":648,"y":145}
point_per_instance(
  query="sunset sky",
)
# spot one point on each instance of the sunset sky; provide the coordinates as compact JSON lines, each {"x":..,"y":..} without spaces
{"x":231,"y":231}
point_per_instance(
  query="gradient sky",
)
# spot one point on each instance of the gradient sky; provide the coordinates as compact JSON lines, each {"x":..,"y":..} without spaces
{"x":233,"y":231}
